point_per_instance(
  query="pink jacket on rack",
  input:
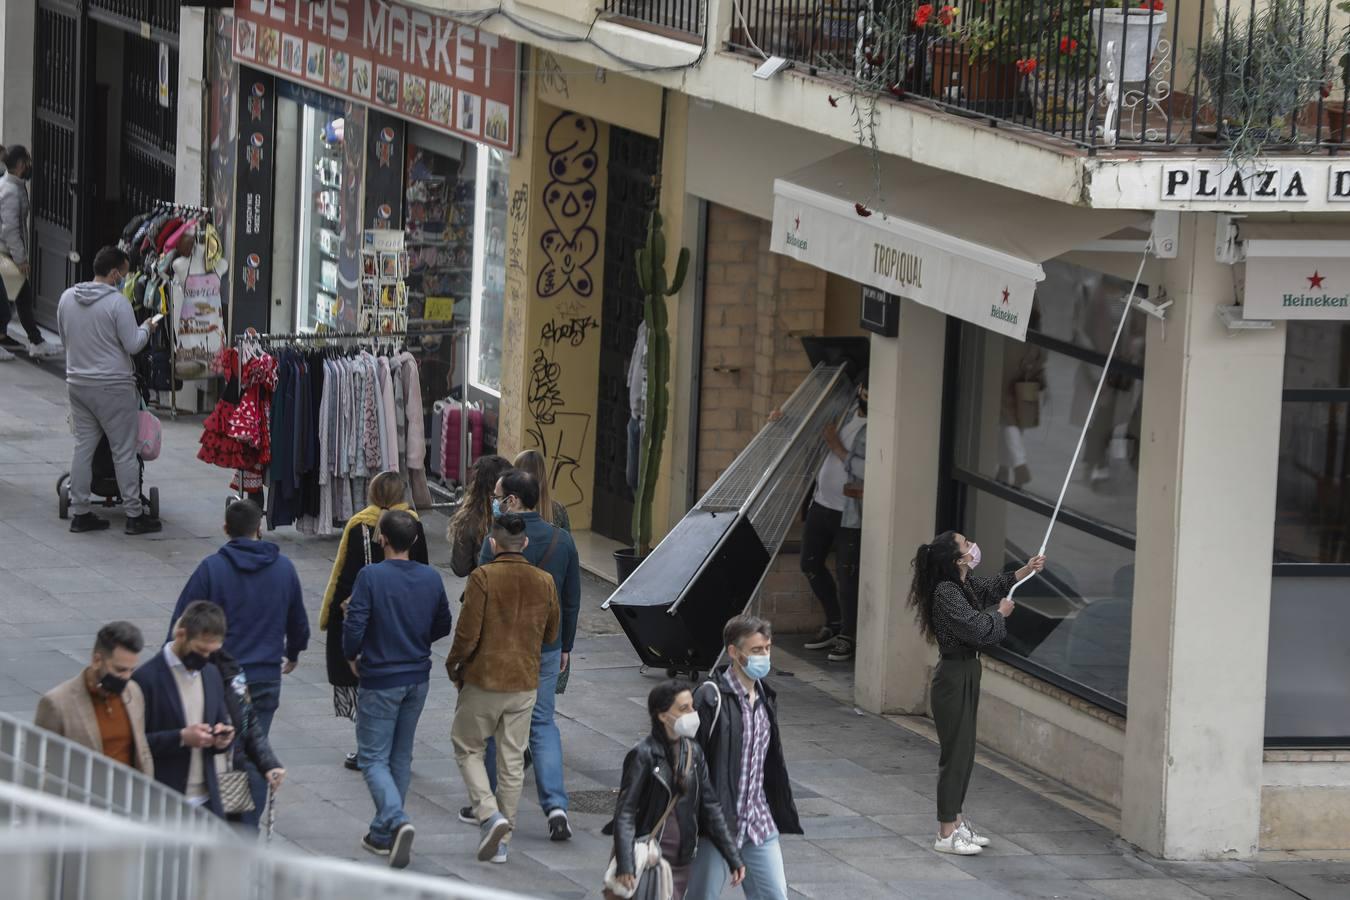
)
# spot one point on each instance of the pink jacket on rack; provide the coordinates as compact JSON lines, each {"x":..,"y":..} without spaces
{"x":415,"y":470}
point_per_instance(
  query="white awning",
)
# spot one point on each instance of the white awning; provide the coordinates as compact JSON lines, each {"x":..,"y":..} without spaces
{"x":968,"y":248}
{"x":1295,"y":270}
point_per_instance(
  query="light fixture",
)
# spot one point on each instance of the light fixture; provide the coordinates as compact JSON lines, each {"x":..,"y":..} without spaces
{"x":771,"y":67}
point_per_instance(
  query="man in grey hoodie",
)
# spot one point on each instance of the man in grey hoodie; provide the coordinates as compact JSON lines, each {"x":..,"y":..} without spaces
{"x":14,"y":223}
{"x":100,"y":334}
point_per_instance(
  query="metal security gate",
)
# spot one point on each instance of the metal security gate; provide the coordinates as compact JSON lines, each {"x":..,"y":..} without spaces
{"x":58,"y":202}
{"x":149,"y":129}
{"x":632,"y":166}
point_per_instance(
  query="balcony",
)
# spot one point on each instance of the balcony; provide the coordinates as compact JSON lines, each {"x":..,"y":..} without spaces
{"x":1241,"y":77}
{"x":680,"y":19}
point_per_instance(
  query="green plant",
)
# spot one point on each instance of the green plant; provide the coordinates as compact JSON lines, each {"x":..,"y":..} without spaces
{"x":652,"y":279}
{"x":1260,"y":72}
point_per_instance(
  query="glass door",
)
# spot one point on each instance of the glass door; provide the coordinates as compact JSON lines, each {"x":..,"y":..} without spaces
{"x":320,"y":221}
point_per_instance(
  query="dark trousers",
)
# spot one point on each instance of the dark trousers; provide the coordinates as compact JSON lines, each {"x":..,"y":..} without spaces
{"x":847,"y":556}
{"x":955,"y":702}
{"x":819,"y":536}
{"x":24,"y":302}
{"x":266,"y":696}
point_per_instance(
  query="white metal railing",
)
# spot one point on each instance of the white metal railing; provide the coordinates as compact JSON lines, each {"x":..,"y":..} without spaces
{"x":74,"y":825}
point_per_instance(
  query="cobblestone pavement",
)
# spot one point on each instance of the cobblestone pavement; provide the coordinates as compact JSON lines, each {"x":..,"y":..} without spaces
{"x":864,"y":785}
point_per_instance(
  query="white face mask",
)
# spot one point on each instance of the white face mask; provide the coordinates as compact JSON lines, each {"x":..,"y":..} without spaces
{"x":686,"y":726}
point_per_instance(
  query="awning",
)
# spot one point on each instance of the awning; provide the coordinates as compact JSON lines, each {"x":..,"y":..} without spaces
{"x":968,"y":248}
{"x":1295,"y":270}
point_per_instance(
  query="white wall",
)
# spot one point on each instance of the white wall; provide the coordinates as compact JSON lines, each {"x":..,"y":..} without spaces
{"x":17,"y":24}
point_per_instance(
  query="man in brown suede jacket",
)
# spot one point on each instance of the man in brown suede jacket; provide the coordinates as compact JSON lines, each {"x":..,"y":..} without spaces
{"x":510,"y":611}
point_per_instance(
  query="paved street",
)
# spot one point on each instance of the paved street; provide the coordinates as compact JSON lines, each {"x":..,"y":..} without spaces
{"x":864,"y":784}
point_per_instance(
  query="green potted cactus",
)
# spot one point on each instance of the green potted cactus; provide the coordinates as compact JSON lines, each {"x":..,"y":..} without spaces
{"x":656,"y":286}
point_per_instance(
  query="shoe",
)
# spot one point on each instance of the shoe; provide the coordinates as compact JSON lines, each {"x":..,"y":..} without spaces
{"x":466,"y":815}
{"x":144,"y":524}
{"x":1021,"y":476}
{"x":350,"y":762}
{"x":401,"y":853}
{"x":87,"y":522}
{"x":559,"y":829}
{"x":971,"y":837}
{"x":1100,"y":474}
{"x":956,"y":844}
{"x":494,"y":829}
{"x":500,"y":856}
{"x":43,"y":350}
{"x":823,"y":640}
{"x":375,"y":846}
{"x":841,"y":650}
{"x":5,"y":355}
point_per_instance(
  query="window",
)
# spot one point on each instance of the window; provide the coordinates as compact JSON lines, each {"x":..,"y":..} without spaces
{"x":1019,"y":410}
{"x":1308,"y":669}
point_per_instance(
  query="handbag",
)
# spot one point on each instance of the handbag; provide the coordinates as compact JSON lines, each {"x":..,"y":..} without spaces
{"x":149,"y":436}
{"x":235,"y":796}
{"x":655,"y":881}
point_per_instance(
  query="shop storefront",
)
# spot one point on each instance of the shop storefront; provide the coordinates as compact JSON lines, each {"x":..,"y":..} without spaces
{"x":372,"y":160}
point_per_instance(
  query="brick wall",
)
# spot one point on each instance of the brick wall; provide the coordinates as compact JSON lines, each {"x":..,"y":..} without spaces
{"x":757,"y":306}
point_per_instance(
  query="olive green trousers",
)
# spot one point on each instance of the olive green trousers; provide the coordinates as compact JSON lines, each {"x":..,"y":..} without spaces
{"x":955,"y":701}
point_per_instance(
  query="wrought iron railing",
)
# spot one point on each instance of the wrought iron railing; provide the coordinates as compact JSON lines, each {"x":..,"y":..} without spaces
{"x":684,"y":16}
{"x":1259,"y":74}
{"x":160,"y":15}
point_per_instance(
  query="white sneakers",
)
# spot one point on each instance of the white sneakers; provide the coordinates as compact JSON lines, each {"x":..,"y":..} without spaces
{"x":5,"y":355}
{"x":45,"y":350}
{"x":962,"y":842}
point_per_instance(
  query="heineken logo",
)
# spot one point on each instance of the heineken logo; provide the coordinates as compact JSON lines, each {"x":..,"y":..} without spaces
{"x":998,"y":312}
{"x":792,"y":239}
{"x":1315,"y":301}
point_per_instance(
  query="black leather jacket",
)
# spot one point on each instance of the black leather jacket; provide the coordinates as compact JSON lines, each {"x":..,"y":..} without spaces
{"x":645,"y":793}
{"x":722,"y":746}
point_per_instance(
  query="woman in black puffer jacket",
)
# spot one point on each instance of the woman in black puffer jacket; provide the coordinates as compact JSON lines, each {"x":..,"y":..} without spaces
{"x":666,"y":761}
{"x":250,"y":742}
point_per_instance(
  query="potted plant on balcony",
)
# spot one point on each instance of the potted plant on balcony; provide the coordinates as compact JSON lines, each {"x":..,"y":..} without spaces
{"x":980,"y":54}
{"x":1126,"y":37}
{"x":656,"y":287}
{"x":1259,"y":72}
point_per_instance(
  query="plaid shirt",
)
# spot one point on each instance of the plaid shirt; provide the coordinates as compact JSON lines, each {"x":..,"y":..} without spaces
{"x":756,"y":822}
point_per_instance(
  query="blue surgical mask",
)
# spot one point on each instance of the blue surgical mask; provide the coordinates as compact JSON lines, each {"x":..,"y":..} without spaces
{"x":757,"y":666}
{"x":496,"y":507}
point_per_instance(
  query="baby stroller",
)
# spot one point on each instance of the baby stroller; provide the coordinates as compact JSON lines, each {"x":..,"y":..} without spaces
{"x":104,"y":483}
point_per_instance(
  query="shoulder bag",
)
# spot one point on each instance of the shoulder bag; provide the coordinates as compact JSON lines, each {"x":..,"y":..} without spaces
{"x":235,"y":796}
{"x":655,"y":881}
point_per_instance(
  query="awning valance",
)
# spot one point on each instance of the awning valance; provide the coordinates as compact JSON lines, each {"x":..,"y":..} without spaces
{"x":968,"y":248}
{"x":1295,"y":270}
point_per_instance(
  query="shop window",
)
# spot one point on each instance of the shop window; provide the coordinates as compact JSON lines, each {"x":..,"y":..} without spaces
{"x":1308,"y":668}
{"x":318,"y":304}
{"x":1019,"y":410}
{"x":489,"y":275}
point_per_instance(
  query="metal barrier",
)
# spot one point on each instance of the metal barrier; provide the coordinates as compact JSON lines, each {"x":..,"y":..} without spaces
{"x":685,"y":16}
{"x":74,"y":825}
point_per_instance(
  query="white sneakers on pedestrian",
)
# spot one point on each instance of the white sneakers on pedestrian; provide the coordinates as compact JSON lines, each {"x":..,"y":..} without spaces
{"x":969,"y":834}
{"x":957,"y":844}
{"x":43,"y":350}
{"x":5,"y":355}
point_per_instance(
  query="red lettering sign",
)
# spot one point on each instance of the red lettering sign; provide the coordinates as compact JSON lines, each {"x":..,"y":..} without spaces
{"x":417,"y":64}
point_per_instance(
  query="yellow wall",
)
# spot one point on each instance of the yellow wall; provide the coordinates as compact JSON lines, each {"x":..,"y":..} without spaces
{"x":551,"y":346}
{"x":843,"y":307}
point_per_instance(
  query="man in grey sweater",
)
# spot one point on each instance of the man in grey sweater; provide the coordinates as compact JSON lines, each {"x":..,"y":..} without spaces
{"x":100,"y":334}
{"x":15,"y":267}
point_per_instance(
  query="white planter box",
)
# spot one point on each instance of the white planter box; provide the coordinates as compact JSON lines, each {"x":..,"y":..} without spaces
{"x":1131,"y":34}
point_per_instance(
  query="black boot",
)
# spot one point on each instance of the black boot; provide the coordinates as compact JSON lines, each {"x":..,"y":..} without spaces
{"x":144,"y":524}
{"x":87,"y":522}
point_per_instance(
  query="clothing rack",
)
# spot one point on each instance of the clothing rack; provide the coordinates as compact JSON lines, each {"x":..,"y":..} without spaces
{"x":429,"y":329}
{"x":184,"y":208}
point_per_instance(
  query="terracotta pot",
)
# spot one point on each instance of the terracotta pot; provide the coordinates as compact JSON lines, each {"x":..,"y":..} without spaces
{"x":957,"y":78}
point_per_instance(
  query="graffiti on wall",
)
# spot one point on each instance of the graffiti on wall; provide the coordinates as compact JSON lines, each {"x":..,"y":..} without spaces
{"x":513,"y":320}
{"x":570,"y":244}
{"x":560,"y":435}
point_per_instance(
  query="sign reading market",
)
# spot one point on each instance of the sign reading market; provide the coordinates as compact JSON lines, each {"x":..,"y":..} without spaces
{"x":415,"y":64}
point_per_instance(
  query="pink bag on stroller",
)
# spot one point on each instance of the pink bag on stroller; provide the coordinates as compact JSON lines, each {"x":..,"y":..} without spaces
{"x":148,"y":436}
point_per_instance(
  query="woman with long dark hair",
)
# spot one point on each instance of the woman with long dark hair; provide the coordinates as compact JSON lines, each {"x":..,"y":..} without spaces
{"x":471,"y":521}
{"x":667,"y":771}
{"x":551,"y":510}
{"x":962,"y":615}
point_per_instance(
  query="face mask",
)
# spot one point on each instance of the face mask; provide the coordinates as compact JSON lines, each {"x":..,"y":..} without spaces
{"x":496,"y":507}
{"x":757,"y":666}
{"x":974,"y":554}
{"x":686,"y":726}
{"x":194,"y":661}
{"x":111,"y":684}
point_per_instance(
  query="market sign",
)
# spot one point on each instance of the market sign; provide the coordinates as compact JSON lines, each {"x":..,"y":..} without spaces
{"x":419,"y":65}
{"x":1296,"y":271}
{"x":1218,"y":181}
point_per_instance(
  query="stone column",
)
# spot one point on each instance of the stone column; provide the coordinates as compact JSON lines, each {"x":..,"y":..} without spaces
{"x":1200,"y":625}
{"x":903,"y":435}
{"x":18,"y":24}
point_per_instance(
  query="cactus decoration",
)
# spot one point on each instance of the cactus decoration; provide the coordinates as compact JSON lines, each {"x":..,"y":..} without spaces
{"x":656,"y":287}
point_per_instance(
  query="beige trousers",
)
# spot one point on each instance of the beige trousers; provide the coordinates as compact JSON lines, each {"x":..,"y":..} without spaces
{"x":503,"y":715}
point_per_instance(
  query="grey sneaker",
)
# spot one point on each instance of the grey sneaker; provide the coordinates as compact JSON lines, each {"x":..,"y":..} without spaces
{"x":500,"y":856}
{"x":401,"y":852}
{"x":823,"y":640}
{"x":841,"y":650}
{"x":493,"y":830}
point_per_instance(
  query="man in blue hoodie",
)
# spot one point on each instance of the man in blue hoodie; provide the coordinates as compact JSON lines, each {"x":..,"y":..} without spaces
{"x":100,"y":334}
{"x":397,"y":610}
{"x":260,"y":592}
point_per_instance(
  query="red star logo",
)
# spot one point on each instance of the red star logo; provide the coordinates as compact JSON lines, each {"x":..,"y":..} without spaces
{"x":797,"y":223}
{"x":1005,"y":296}
{"x":1315,"y":279}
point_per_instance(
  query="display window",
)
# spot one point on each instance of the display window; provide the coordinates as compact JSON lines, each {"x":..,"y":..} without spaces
{"x":319,"y":304}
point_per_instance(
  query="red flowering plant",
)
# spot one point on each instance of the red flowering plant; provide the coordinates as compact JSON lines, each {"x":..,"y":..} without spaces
{"x":1031,"y":34}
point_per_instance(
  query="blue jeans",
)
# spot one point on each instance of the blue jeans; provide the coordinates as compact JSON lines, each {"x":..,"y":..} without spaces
{"x":545,"y":739}
{"x":386,"y":725}
{"x":764,"y":877}
{"x":266,"y":697}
